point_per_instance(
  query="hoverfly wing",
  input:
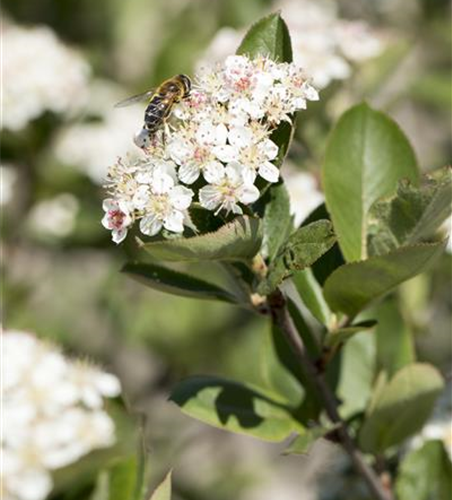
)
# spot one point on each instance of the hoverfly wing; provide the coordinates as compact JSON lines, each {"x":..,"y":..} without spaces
{"x":135,"y":98}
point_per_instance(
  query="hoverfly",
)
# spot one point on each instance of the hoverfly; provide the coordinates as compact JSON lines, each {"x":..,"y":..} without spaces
{"x":161,"y":102}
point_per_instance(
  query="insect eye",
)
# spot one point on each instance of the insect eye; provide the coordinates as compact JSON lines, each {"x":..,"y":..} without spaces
{"x":173,"y":87}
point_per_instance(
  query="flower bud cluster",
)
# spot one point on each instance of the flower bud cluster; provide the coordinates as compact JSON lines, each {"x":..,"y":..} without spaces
{"x":53,"y":413}
{"x":218,"y":144}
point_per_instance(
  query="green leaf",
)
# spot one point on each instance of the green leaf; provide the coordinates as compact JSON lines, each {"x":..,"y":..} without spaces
{"x":425,"y":474}
{"x":412,"y":215}
{"x":234,"y":407}
{"x":311,"y":294}
{"x":357,"y":371}
{"x":268,"y":37}
{"x":177,"y":283}
{"x":118,"y":482}
{"x":336,"y":337}
{"x":302,"y":249}
{"x":163,"y":491}
{"x":280,"y":370}
{"x":240,"y":239}
{"x":277,"y":220}
{"x":354,"y":286}
{"x":402,"y":408}
{"x":395,"y":347}
{"x":366,"y":155}
{"x":302,"y":444}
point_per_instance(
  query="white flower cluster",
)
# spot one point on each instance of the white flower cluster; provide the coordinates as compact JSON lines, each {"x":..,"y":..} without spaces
{"x":220,"y":142}
{"x":52,"y":414}
{"x":325,"y":45}
{"x":39,"y":74}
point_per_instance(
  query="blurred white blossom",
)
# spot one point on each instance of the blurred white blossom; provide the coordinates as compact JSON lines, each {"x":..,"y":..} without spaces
{"x":303,"y":191}
{"x":92,"y":146}
{"x":323,"y":44}
{"x":39,"y":74}
{"x":219,"y":138}
{"x":54,"y":217}
{"x":52,"y":413}
{"x":8,"y":178}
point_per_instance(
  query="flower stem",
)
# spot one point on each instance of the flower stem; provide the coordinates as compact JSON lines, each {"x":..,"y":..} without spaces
{"x":282,"y":319}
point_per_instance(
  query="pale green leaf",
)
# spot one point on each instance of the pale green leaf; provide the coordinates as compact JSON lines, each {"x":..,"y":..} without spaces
{"x":402,"y":408}
{"x":367,"y":154}
{"x":311,"y":294}
{"x":354,"y":286}
{"x":163,"y":491}
{"x":302,"y":444}
{"x":240,"y":239}
{"x":412,"y":215}
{"x":234,"y":407}
{"x":425,"y":474}
{"x":336,"y":337}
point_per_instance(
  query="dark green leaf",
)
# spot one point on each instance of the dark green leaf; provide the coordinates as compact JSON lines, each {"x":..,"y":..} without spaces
{"x":395,"y":347}
{"x":302,"y":444}
{"x":240,"y":239}
{"x":367,"y":154}
{"x":163,"y":491}
{"x":336,"y":337}
{"x":425,"y":474}
{"x":412,"y":215}
{"x":177,"y":283}
{"x":311,"y":294}
{"x":268,"y":37}
{"x":403,"y":406}
{"x":280,"y":369}
{"x":354,"y":286}
{"x":277,"y":220}
{"x":234,"y":407}
{"x":301,"y":250}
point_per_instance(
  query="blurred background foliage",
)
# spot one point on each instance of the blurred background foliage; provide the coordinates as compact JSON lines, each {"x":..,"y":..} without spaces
{"x":65,"y":284}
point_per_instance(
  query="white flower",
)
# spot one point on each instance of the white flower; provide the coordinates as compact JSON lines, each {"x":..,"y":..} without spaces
{"x":228,"y":189}
{"x":192,"y":149}
{"x":54,"y":217}
{"x":165,"y":205}
{"x":117,"y":218}
{"x":39,"y":74}
{"x":92,"y":146}
{"x":8,"y":179}
{"x":251,"y":153}
{"x":52,"y":414}
{"x":303,"y":192}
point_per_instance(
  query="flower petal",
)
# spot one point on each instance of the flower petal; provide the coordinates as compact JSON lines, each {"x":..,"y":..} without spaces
{"x":213,"y":172}
{"x":150,"y":225}
{"x":174,"y":221}
{"x":189,"y":172}
{"x":269,"y":172}
{"x":181,"y":197}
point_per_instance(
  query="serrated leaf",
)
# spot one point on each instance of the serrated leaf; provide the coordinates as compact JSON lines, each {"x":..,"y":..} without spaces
{"x":413,"y":214}
{"x":240,"y":239}
{"x":163,"y":491}
{"x":175,"y":282}
{"x":425,"y":473}
{"x":402,"y":408}
{"x":302,"y":444}
{"x":367,"y":154}
{"x":234,"y":407}
{"x":277,"y":220}
{"x":311,"y":294}
{"x":354,"y":286}
{"x":336,"y":337}
{"x":268,"y":37}
{"x":302,"y":249}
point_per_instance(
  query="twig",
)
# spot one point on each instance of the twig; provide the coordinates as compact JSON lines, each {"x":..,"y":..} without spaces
{"x":282,"y":319}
